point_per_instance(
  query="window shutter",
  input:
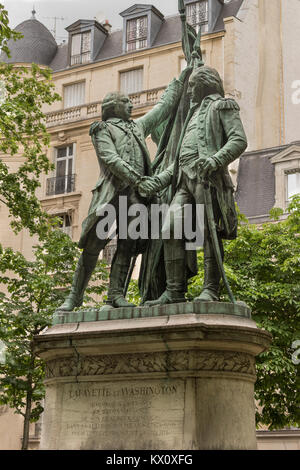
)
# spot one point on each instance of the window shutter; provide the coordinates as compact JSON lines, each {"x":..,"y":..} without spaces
{"x":197,"y":14}
{"x":76,"y":44}
{"x":74,"y":95}
{"x":293,"y":184}
{"x":81,"y":48}
{"x":137,"y":31}
{"x":131,"y":30}
{"x":86,"y":42}
{"x":131,"y":81}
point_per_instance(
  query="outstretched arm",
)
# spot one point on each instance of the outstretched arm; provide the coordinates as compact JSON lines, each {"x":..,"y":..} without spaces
{"x":165,"y":106}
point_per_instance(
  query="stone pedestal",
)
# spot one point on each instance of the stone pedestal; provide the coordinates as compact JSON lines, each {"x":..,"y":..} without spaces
{"x":182,"y":381}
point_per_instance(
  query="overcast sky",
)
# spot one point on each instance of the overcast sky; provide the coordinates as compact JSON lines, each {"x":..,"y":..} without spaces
{"x":72,"y":10}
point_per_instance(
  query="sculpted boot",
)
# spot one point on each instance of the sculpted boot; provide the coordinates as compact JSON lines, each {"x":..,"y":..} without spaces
{"x":84,"y":270}
{"x":118,"y":275}
{"x":176,"y":284}
{"x":212,"y":277}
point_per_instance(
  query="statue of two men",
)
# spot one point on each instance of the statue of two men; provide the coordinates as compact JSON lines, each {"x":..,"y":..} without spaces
{"x":213,"y":137}
{"x":124,"y":162}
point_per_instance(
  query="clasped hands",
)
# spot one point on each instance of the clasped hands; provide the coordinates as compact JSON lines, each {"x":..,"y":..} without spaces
{"x":149,"y":186}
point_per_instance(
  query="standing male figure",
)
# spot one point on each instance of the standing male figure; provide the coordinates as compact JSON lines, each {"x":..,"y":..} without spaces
{"x":124,"y":162}
{"x":213,"y":138}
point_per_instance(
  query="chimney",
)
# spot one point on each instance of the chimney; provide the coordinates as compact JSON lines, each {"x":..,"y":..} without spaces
{"x":107,"y":26}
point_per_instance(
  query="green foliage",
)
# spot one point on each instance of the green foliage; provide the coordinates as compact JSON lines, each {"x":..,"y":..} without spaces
{"x":31,"y":291}
{"x":196,"y":283}
{"x":94,"y":296}
{"x":6,"y":33}
{"x":25,"y":90}
{"x":263,"y":268}
{"x":26,"y":309}
{"x":133,"y":293}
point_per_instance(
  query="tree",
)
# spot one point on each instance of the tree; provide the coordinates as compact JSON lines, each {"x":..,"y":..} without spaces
{"x":34,"y":290}
{"x":24,"y":91}
{"x":31,"y":290}
{"x":263,"y":268}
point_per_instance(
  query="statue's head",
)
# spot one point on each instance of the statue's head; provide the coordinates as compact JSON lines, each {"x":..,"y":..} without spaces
{"x":205,"y":81}
{"x":116,"y":105}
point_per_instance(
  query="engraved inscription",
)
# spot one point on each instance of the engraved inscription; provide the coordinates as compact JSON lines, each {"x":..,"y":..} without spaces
{"x":99,"y":416}
{"x":124,"y":392}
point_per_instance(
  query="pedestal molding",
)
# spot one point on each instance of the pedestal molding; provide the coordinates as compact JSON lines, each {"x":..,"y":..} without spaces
{"x":177,"y":382}
{"x":146,"y":363}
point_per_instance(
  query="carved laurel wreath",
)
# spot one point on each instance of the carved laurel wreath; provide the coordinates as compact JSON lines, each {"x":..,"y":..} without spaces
{"x":155,"y":362}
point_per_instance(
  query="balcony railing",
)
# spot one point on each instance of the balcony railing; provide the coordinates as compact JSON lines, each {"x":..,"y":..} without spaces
{"x":60,"y":185}
{"x":93,"y":110}
{"x":80,"y":58}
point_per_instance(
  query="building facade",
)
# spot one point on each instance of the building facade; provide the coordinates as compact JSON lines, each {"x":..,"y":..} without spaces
{"x":252,"y":43}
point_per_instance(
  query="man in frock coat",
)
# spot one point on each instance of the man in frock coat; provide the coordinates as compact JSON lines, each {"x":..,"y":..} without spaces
{"x":124,"y":162}
{"x":213,"y":138}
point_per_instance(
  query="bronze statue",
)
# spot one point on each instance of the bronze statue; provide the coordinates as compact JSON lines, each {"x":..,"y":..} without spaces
{"x":195,"y":148}
{"x":199,"y":133}
{"x":124,"y":163}
{"x":212,"y":138}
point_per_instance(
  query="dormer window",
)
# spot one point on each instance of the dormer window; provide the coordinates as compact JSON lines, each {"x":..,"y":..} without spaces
{"x":142,"y":24}
{"x":197,"y":15}
{"x":86,"y":37}
{"x":293,"y":183}
{"x":137,"y":32}
{"x":81,"y":48}
{"x":287,"y":174}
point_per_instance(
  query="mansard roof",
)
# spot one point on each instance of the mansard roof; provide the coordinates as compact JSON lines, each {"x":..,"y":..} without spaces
{"x":255,"y":193}
{"x":85,"y":24}
{"x":140,"y":9}
{"x":38,"y":44}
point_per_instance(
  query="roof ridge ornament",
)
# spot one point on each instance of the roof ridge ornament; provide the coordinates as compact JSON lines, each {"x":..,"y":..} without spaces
{"x":33,"y":13}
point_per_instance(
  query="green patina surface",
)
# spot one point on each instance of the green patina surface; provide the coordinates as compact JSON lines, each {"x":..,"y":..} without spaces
{"x":198,"y":308}
{"x":199,"y":133}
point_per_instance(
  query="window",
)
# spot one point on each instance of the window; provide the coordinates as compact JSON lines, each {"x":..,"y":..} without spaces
{"x":74,"y":95}
{"x":293,"y":183}
{"x":131,"y":81}
{"x":136,"y":35}
{"x":197,"y":14}
{"x":81,"y":48}
{"x":64,"y":181}
{"x":66,"y":224}
{"x":287,"y":174}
